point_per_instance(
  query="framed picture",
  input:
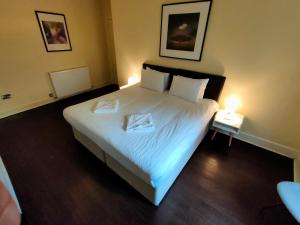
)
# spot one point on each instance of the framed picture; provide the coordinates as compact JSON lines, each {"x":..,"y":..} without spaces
{"x":183,"y":28}
{"x":54,"y":30}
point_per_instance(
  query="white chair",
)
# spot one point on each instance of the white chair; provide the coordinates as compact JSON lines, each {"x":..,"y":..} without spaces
{"x":289,"y":193}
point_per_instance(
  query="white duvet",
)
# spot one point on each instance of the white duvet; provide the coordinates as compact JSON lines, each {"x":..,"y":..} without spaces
{"x":151,"y":155}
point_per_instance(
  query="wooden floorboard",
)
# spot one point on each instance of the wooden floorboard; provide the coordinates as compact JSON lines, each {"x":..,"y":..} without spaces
{"x":58,"y":182}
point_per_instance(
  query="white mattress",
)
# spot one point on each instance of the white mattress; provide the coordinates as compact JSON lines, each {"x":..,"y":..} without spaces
{"x":150,"y":156}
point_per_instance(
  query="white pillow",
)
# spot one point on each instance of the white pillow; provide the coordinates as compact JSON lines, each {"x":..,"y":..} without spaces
{"x":153,"y":80}
{"x":202,"y":89}
{"x":166,"y":77}
{"x":188,"y":88}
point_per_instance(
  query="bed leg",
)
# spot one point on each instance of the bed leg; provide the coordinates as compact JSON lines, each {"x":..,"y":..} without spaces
{"x":214,"y":134}
{"x":230,"y":140}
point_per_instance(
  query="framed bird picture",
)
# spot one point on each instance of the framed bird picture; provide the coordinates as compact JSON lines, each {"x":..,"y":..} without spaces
{"x":183,"y":29}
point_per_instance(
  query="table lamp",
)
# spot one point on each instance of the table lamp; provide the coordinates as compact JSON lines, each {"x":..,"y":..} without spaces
{"x":231,"y":105}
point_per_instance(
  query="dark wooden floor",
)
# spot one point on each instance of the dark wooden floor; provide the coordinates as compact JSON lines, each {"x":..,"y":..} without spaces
{"x":58,"y":182}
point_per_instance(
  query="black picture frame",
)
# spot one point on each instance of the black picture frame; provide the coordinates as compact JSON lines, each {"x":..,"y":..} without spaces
{"x":54,"y":18}
{"x":175,"y":53}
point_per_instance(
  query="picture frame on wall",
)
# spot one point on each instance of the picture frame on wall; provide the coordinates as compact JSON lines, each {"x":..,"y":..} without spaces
{"x":183,"y":29}
{"x":54,"y":30}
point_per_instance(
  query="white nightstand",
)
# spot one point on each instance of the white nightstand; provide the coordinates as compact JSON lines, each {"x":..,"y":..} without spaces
{"x":228,"y":124}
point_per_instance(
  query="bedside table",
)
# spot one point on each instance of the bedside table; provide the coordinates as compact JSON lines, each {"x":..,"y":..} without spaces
{"x":228,"y":124}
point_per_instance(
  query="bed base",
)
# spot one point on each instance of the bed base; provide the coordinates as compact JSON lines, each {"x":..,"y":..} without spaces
{"x":153,"y":194}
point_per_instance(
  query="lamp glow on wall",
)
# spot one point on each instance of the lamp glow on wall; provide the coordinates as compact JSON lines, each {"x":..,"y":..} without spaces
{"x":134,"y":79}
{"x":231,"y":105}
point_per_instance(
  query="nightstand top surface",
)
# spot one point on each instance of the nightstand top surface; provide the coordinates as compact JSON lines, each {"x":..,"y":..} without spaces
{"x":235,"y":120}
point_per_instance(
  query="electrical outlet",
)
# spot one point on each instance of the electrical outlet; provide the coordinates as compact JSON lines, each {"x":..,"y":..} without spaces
{"x":5,"y":96}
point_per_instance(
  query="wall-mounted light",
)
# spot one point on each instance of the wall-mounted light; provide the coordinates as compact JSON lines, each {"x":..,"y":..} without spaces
{"x":134,"y":79}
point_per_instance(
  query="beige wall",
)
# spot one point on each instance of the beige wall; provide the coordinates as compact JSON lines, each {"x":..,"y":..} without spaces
{"x":254,"y":43}
{"x":24,"y":62}
{"x":110,"y":41}
{"x":297,"y":170}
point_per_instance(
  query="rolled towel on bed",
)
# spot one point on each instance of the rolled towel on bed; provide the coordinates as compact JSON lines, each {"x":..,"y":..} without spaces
{"x":106,"y":106}
{"x":139,"y":122}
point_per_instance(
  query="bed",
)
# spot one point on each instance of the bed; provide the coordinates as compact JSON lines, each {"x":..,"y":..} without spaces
{"x":150,"y":162}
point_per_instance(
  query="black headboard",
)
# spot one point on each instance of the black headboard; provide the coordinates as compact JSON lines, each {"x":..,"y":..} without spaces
{"x":214,"y":86}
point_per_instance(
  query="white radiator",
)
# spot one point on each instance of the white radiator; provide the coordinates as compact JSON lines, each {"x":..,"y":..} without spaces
{"x":70,"y":82}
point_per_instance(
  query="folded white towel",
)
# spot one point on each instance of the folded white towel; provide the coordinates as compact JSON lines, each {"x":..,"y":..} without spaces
{"x":106,"y":106}
{"x":140,"y":122}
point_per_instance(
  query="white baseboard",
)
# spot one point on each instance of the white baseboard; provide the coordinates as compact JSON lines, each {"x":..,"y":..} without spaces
{"x":268,"y":145}
{"x":38,"y":104}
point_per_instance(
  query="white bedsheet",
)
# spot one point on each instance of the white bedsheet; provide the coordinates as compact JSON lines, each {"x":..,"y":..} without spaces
{"x":151,"y":156}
